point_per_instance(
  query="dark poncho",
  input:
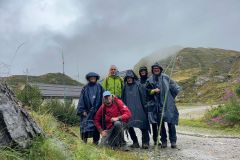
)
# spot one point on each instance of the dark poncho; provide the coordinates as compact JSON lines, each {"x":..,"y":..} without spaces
{"x":133,"y":97}
{"x":90,"y":100}
{"x":168,"y":88}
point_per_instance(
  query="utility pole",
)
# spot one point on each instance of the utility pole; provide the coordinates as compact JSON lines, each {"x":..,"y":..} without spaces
{"x":63,"y":62}
{"x":64,"y":95}
{"x":26,"y":85}
{"x":78,"y":74}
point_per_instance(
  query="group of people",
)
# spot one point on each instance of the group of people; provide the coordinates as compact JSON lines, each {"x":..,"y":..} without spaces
{"x":123,"y":104}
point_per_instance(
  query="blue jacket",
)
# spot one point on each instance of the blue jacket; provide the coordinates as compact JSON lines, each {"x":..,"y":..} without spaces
{"x":90,"y":100}
{"x":169,"y":89}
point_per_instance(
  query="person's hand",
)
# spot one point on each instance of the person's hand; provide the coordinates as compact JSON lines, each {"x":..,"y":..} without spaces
{"x":114,"y":119}
{"x":85,"y":114}
{"x":157,"y":90}
{"x":104,"y":133}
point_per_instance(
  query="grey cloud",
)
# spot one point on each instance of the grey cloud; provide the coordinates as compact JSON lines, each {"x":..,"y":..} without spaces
{"x":97,"y":33}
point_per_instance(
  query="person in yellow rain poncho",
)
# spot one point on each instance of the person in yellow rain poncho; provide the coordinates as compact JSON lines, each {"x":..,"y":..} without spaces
{"x":113,"y":82}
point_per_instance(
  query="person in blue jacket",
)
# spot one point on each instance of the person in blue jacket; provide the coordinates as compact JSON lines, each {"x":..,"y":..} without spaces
{"x":162,"y":92}
{"x":89,"y":102}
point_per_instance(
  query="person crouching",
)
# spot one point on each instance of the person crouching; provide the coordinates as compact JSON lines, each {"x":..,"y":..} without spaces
{"x":111,"y":120}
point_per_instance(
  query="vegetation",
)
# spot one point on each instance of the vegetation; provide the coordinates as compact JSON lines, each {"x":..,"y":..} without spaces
{"x":223,"y":118}
{"x":17,"y":81}
{"x":62,"y":142}
{"x":201,"y":126}
{"x":194,"y":63}
{"x":63,"y":111}
{"x":226,"y":114}
{"x":238,"y":90}
{"x":30,"y":96}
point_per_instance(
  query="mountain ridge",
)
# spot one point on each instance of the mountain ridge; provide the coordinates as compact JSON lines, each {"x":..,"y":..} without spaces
{"x":203,"y":73}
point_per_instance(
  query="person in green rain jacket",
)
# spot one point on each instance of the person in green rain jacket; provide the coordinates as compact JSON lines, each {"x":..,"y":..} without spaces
{"x":113,"y":82}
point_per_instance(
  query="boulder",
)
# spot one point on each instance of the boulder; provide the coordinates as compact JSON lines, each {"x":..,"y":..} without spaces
{"x":201,"y":80}
{"x":219,"y":78}
{"x":17,"y":128}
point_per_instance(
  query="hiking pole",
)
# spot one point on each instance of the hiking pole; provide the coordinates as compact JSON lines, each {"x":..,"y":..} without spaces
{"x":165,"y":98}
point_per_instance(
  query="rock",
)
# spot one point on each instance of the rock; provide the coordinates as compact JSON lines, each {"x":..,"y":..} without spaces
{"x":219,"y":78}
{"x":17,"y":127}
{"x":201,"y":80}
{"x":199,"y":94}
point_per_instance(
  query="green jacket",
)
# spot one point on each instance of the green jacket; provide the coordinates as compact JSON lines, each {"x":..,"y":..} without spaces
{"x":114,"y":84}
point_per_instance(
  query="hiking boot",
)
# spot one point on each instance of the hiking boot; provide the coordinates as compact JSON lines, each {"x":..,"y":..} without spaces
{"x":135,"y":145}
{"x":173,"y":145}
{"x":95,"y":143}
{"x":125,"y":148}
{"x":145,"y":146}
{"x":164,"y":145}
{"x":155,"y":143}
{"x":84,"y":140}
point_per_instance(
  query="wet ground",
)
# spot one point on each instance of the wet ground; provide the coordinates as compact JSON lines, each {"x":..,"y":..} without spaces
{"x":195,"y":146}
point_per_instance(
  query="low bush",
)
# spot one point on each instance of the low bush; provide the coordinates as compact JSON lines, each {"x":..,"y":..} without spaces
{"x":238,"y":91}
{"x":31,"y":97}
{"x":226,"y":114}
{"x":63,"y":111}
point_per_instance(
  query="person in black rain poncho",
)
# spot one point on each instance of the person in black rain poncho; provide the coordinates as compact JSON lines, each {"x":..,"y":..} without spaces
{"x":143,"y":73}
{"x":89,"y":102}
{"x":133,"y":97}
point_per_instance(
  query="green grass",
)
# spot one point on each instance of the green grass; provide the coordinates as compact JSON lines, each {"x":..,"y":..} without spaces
{"x":16,"y":81}
{"x":62,"y":142}
{"x":201,"y":124}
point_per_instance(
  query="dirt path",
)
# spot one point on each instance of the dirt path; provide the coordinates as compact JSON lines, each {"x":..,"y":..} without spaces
{"x":195,"y":146}
{"x":193,"y":112}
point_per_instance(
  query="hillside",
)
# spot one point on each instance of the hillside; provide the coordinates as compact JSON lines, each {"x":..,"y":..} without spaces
{"x":203,"y":73}
{"x":50,"y":78}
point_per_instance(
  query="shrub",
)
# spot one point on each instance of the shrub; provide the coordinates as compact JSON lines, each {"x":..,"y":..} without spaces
{"x":233,"y":111}
{"x":30,"y":96}
{"x":238,"y":91}
{"x":63,"y":111}
{"x":227,"y":114}
{"x":217,"y":111}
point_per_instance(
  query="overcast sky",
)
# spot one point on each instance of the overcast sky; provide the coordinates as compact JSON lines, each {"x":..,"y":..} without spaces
{"x":97,"y":33}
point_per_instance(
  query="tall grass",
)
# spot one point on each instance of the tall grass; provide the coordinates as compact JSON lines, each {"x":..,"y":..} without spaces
{"x":61,"y":142}
{"x":62,"y":111}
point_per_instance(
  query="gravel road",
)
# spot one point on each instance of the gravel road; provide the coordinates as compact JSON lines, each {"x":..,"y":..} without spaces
{"x":194,"y":146}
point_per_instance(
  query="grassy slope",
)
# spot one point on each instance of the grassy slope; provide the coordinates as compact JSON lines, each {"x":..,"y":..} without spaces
{"x":51,"y":78}
{"x":207,"y":62}
{"x":62,"y":142}
{"x":201,"y":127}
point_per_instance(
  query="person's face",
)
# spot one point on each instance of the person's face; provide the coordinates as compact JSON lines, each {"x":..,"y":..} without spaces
{"x":93,"y":79}
{"x":143,"y":73}
{"x":129,"y":80}
{"x":108,"y":100}
{"x":156,"y":70}
{"x":113,"y":71}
